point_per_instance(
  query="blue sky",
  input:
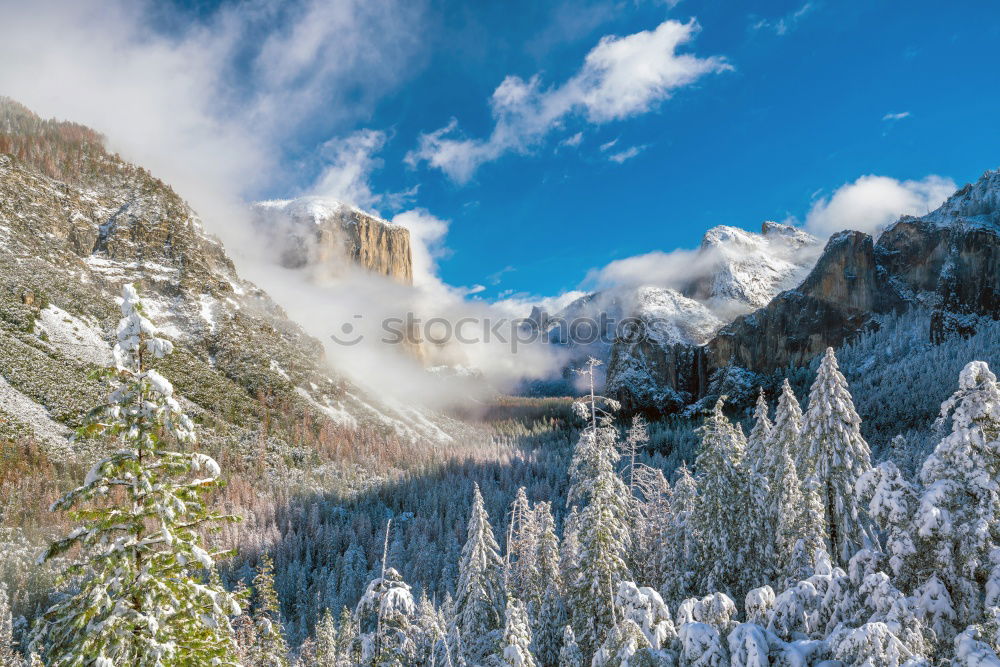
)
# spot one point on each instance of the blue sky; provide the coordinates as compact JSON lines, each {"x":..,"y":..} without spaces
{"x":764,"y":110}
{"x":802,"y":112}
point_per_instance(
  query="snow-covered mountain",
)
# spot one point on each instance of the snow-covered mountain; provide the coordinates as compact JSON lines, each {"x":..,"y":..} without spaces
{"x":945,"y":261}
{"x":733,"y":272}
{"x":745,"y":270}
{"x":76,"y":222}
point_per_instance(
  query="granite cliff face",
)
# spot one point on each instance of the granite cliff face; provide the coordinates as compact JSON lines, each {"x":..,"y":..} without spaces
{"x":948,"y":260}
{"x":324,"y":233}
{"x":837,"y":299}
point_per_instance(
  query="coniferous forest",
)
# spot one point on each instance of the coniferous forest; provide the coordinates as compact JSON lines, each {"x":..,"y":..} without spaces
{"x":782,"y":543}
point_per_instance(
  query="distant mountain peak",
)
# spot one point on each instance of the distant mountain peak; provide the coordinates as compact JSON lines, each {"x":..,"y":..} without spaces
{"x":977,"y":203}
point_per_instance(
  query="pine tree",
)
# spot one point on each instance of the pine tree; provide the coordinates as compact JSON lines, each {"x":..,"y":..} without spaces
{"x":549,"y":617}
{"x":431,"y":631}
{"x":140,"y":596}
{"x":270,"y":647}
{"x":515,"y":648}
{"x":385,"y":616}
{"x":8,"y":656}
{"x":326,"y":641}
{"x":522,"y":548}
{"x":603,"y":534}
{"x":679,"y":543}
{"x":957,"y":526}
{"x":244,"y":630}
{"x":548,"y":628}
{"x":837,"y":455}
{"x":794,"y":511}
{"x":636,"y":438}
{"x":725,"y":517}
{"x":480,"y":599}
{"x":547,"y":549}
{"x":570,"y":654}
{"x":347,"y":636}
{"x":760,"y":433}
{"x":785,"y":436}
{"x":569,"y":547}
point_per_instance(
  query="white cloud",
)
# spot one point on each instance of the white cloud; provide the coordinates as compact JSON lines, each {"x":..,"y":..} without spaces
{"x":871,"y":202}
{"x":896,"y":116}
{"x":427,"y":234}
{"x":572,"y":141}
{"x":608,"y":145}
{"x":350,"y":161}
{"x":206,"y":107}
{"x":784,"y":24}
{"x":620,"y":77}
{"x":626,"y":154}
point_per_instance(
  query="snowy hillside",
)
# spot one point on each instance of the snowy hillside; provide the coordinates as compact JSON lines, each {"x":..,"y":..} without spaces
{"x":70,"y":239}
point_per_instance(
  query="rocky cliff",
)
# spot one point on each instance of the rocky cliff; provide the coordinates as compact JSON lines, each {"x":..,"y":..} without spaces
{"x":324,"y":233}
{"x":948,"y":260}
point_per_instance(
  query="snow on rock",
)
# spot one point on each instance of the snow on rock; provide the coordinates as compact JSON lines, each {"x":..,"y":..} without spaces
{"x":317,"y":209}
{"x":73,"y":337}
{"x":746,"y":270}
{"x":19,"y":406}
{"x":976,"y":203}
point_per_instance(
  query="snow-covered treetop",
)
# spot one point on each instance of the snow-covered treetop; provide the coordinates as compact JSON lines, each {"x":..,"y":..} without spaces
{"x":134,"y":329}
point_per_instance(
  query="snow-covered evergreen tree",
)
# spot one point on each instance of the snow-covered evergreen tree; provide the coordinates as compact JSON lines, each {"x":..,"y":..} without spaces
{"x":546,"y":550}
{"x":645,"y":608}
{"x":726,"y":519}
{"x":636,"y":438}
{"x":837,"y":455}
{"x":515,"y":648}
{"x":139,"y":593}
{"x":385,"y":616}
{"x":326,"y":640}
{"x":701,"y":646}
{"x":522,"y":550}
{"x":603,"y":534}
{"x":760,"y":433}
{"x":348,"y":646}
{"x":678,"y":550}
{"x":480,"y":599}
{"x":784,"y":435}
{"x":958,"y":520}
{"x":431,"y":630}
{"x":8,"y":656}
{"x":270,"y":647}
{"x":570,"y":654}
{"x":622,"y":644}
{"x":547,"y":631}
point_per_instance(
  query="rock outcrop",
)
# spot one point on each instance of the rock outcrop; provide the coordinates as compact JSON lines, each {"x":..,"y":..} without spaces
{"x":837,"y":299}
{"x":948,"y":260}
{"x":325,"y":234}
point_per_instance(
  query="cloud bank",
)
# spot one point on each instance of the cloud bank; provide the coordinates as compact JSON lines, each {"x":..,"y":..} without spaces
{"x":620,"y":77}
{"x":872,"y":202}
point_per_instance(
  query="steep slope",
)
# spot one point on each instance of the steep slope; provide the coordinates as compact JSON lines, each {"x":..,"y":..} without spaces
{"x":75,"y":223}
{"x":948,"y":260}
